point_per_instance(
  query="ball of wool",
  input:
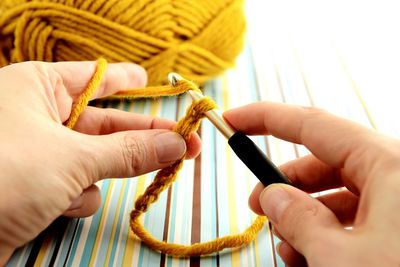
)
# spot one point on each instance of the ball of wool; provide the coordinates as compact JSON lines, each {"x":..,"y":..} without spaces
{"x":198,"y":39}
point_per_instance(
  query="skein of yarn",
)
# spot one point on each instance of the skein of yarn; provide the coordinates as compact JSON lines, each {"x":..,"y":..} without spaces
{"x":198,"y":39}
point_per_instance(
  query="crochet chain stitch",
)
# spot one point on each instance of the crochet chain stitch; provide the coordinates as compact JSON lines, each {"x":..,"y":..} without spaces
{"x":165,"y":177}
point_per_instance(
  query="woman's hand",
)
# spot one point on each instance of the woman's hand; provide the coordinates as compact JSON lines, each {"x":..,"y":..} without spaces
{"x":343,"y":154}
{"x":46,"y":169}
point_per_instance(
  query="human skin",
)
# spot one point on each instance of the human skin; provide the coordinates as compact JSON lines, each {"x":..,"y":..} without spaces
{"x":48,"y":170}
{"x":344,"y":154}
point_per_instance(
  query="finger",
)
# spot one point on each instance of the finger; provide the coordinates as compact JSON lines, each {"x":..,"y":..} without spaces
{"x":337,"y":142}
{"x":290,"y":256}
{"x":302,"y":221}
{"x":277,"y":234}
{"x":310,"y":174}
{"x":130,"y":153}
{"x":287,"y":252}
{"x":254,"y":199}
{"x":306,"y":173}
{"x":343,"y":204}
{"x":118,"y":76}
{"x":97,"y":121}
{"x":86,"y":204}
{"x":69,"y":79}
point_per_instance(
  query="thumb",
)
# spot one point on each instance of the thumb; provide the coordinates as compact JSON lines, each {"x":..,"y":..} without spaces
{"x":132,"y":153}
{"x":301,"y":220}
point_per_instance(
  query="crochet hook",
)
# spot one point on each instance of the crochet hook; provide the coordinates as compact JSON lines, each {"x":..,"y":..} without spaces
{"x":247,"y":151}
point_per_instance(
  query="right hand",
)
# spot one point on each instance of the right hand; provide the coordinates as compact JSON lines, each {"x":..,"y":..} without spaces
{"x":345,"y":154}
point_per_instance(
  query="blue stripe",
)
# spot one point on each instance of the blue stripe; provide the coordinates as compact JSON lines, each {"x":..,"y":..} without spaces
{"x":21,"y":255}
{"x":101,"y":253}
{"x":84,"y":261}
{"x":119,"y":227}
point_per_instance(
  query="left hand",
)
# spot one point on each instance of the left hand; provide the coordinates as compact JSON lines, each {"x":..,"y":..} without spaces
{"x":46,"y":169}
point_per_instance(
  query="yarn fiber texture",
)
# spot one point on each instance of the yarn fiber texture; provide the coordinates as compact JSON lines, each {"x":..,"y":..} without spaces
{"x":165,"y":177}
{"x":198,"y":39}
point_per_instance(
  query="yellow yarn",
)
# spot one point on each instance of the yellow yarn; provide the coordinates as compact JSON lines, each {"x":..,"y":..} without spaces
{"x":165,"y":177}
{"x":84,"y":98}
{"x":198,"y":39}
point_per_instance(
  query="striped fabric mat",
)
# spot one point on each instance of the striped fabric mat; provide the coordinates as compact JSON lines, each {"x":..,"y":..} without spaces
{"x":210,"y":196}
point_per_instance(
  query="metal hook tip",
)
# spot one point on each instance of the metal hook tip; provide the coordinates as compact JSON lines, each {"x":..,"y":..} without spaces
{"x":174,"y":78}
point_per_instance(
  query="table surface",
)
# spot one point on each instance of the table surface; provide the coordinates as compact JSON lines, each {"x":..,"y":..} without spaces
{"x":342,"y":58}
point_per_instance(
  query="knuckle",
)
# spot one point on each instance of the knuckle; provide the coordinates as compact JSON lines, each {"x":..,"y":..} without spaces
{"x":134,"y":154}
{"x":309,"y":116}
{"x":33,"y":69}
{"x":107,"y":121}
{"x":36,"y":66}
{"x":310,"y":110}
{"x":46,"y":75}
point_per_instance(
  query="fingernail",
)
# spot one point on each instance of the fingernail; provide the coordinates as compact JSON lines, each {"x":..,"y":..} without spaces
{"x":274,"y":200}
{"x":77,"y":203}
{"x":170,"y":146}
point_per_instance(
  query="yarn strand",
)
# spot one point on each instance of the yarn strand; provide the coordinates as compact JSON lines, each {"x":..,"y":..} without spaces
{"x":166,"y":176}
